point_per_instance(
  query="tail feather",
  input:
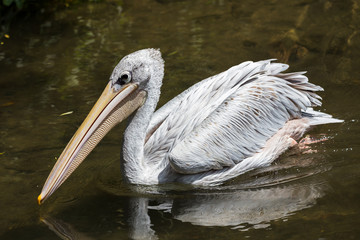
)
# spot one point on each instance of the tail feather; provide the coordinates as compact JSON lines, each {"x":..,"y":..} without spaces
{"x":318,"y":118}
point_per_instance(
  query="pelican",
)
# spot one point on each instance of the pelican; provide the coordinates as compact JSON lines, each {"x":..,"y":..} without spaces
{"x":219,"y":128}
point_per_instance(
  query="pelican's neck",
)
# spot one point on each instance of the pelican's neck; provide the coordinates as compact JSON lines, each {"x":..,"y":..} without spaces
{"x":134,"y":164}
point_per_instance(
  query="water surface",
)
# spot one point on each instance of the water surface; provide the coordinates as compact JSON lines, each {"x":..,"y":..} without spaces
{"x":59,"y":62}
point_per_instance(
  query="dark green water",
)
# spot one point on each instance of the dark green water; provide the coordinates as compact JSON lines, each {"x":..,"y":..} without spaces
{"x":55,"y":63}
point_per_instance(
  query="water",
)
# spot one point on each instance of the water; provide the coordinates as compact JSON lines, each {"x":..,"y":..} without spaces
{"x":56,"y":63}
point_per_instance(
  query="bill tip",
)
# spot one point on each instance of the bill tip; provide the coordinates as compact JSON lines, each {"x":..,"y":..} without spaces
{"x":39,"y":199}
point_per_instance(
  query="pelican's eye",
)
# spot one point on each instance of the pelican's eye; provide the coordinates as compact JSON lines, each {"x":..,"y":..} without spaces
{"x":124,"y":78}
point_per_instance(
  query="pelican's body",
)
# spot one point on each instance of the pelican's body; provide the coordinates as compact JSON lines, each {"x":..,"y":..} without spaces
{"x":219,"y":128}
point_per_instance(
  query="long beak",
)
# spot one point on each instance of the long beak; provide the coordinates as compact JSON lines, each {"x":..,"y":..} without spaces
{"x":110,"y":109}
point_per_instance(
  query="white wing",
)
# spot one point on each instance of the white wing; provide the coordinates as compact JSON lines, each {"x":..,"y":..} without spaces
{"x":226,"y":118}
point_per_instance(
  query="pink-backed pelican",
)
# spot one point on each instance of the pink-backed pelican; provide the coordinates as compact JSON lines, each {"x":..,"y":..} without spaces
{"x":217,"y":129}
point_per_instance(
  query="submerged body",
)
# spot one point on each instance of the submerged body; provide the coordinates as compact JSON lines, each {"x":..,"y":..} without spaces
{"x":219,"y":128}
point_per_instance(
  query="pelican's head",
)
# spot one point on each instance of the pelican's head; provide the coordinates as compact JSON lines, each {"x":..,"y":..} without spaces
{"x":135,"y":75}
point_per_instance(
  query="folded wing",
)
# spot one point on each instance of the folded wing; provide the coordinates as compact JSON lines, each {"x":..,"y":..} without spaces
{"x":224,"y":119}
